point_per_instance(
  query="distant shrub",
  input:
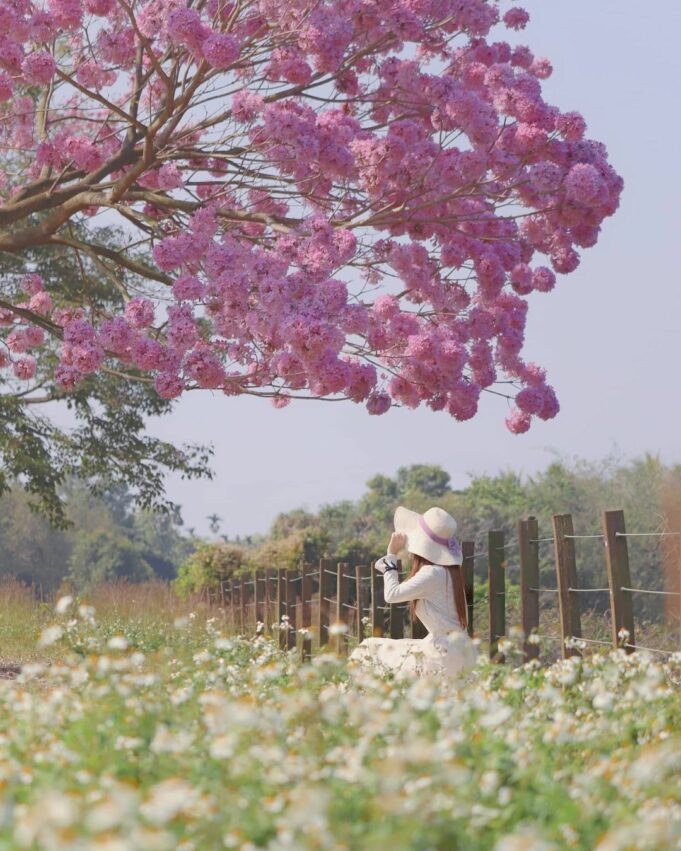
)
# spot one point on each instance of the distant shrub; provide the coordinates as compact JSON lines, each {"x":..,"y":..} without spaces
{"x":208,"y":566}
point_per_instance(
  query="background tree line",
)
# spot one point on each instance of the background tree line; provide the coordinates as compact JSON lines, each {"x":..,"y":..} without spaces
{"x":357,"y":531}
{"x":112,"y":537}
{"x":109,"y":538}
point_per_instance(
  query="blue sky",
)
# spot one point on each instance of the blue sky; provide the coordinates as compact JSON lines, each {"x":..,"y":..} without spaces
{"x":608,"y":334}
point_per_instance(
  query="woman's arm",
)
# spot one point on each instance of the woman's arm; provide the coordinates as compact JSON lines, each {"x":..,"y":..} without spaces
{"x":425,"y":583}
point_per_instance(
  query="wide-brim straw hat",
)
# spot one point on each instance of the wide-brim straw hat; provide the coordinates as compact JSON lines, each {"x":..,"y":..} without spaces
{"x":431,"y":535}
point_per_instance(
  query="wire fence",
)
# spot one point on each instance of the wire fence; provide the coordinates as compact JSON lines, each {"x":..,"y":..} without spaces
{"x":330,"y":603}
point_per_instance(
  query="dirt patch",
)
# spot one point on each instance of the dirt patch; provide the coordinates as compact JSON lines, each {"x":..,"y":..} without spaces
{"x":9,"y":672}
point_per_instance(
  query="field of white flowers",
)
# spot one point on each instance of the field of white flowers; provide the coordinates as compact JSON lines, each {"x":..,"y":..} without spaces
{"x":139,"y":735}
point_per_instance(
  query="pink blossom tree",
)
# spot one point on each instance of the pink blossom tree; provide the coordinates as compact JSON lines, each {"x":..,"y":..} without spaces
{"x":319,"y":199}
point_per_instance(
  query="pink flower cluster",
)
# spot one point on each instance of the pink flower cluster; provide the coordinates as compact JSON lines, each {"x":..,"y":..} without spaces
{"x":324,"y":190}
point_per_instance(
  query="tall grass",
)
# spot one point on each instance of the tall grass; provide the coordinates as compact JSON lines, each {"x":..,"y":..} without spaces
{"x":150,"y":608}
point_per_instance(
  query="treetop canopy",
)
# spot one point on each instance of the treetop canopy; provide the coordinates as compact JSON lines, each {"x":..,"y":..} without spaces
{"x":321,"y":199}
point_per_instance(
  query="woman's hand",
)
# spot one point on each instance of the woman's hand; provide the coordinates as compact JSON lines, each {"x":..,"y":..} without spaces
{"x":397,"y":543}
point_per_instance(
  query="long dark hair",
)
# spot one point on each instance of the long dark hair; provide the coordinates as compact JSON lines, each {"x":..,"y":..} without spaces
{"x":456,"y":575}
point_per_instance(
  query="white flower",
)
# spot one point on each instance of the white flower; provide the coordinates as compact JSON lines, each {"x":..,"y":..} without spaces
{"x":568,"y":677}
{"x":165,"y":741}
{"x":496,"y":717}
{"x":63,"y":603}
{"x":338,"y":628}
{"x":110,"y":812}
{"x":489,"y":782}
{"x":54,"y":810}
{"x":167,"y":799}
{"x":127,"y":743}
{"x":222,"y":747}
{"x":117,"y":642}
{"x":602,"y":700}
{"x":504,"y":796}
{"x":49,"y":635}
{"x":86,"y":612}
{"x":525,"y":838}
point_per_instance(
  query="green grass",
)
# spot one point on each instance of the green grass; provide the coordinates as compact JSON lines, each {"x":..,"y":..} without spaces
{"x":148,"y":726}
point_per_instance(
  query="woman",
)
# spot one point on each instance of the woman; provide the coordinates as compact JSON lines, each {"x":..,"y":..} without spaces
{"x":435,"y":589}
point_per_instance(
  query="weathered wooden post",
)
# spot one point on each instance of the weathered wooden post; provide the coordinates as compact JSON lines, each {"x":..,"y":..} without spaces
{"x":671,"y":560}
{"x":617,"y":561}
{"x":528,"y":536}
{"x":468,"y":568}
{"x":416,"y":628}
{"x":497,"y":593}
{"x":292,"y":607}
{"x":306,"y":612}
{"x":396,"y":623}
{"x":325,"y":566}
{"x":281,"y":605}
{"x":269,"y":585}
{"x":377,"y":603}
{"x":229,"y":601}
{"x":243,"y":592}
{"x":363,"y":605}
{"x":566,"y":573}
{"x":236,"y":597}
{"x":342,"y":601}
{"x":234,"y":602}
{"x":259,"y":598}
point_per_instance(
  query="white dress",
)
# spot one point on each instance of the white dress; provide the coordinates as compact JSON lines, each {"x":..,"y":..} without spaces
{"x":446,"y":650}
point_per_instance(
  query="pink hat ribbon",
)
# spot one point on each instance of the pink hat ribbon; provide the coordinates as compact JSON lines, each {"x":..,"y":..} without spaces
{"x":451,"y":543}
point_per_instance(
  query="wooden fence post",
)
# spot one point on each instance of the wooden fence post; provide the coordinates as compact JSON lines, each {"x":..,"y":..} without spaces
{"x":248,"y":601}
{"x":269,"y":596}
{"x":306,"y":612}
{"x":342,"y":598}
{"x":671,"y":562}
{"x":242,"y":606}
{"x":397,"y":612}
{"x":497,"y":592}
{"x":229,"y":603}
{"x":377,"y":603}
{"x":528,"y":535}
{"x":281,"y":607}
{"x":566,"y":574}
{"x":258,"y":598}
{"x":325,"y":565}
{"x":617,"y":560}
{"x":292,"y":607}
{"x":365,"y":574}
{"x":416,"y":628}
{"x":468,"y":568}
{"x":357,"y":616}
{"x":236,"y":597}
